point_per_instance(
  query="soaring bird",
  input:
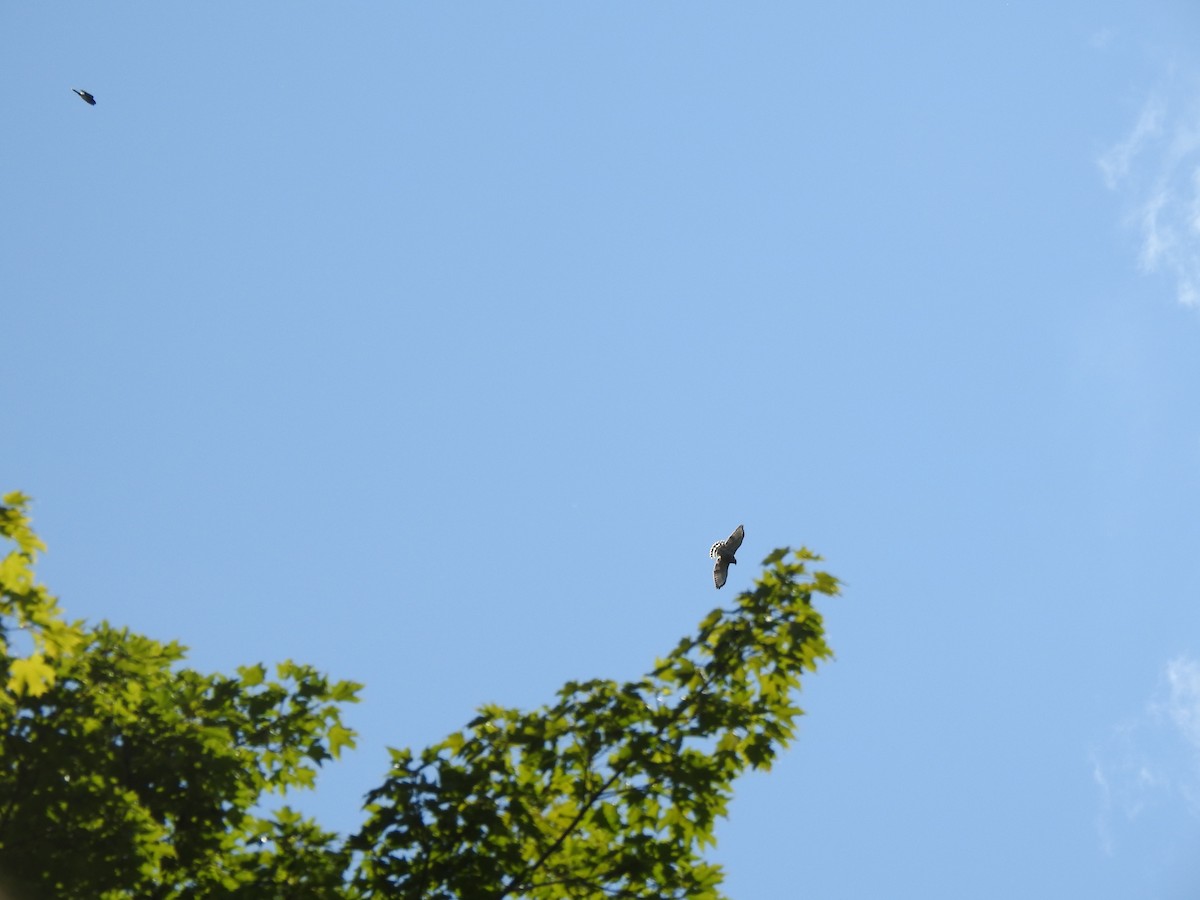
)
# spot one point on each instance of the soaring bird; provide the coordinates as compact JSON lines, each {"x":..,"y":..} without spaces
{"x":87,"y":98}
{"x":722,"y":552}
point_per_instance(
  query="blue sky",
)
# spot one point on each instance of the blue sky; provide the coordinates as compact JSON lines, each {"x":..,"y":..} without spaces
{"x":434,"y":344}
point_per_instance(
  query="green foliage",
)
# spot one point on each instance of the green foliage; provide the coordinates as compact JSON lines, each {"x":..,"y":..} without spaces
{"x":28,"y":606}
{"x":615,"y":789}
{"x":129,"y":775}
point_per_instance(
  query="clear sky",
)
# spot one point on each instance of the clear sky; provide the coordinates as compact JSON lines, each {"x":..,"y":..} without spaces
{"x":434,"y":343}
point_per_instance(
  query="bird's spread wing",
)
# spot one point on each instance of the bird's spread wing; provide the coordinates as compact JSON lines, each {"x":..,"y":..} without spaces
{"x":734,"y":540}
{"x":720,"y":572}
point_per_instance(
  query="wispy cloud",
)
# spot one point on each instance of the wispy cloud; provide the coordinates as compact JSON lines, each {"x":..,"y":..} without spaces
{"x":1115,"y":162}
{"x":1102,"y":38}
{"x":1157,"y":167}
{"x":1182,"y":704}
{"x":1151,"y":762}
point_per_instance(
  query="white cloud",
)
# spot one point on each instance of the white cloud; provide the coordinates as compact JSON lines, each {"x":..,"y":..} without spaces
{"x":1155,"y":241}
{"x":1157,"y":169}
{"x":1102,"y":821}
{"x":1149,"y":766}
{"x":1115,"y":163}
{"x":1182,"y":705}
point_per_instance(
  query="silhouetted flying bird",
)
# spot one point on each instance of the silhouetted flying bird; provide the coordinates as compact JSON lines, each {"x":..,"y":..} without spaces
{"x":87,"y":98}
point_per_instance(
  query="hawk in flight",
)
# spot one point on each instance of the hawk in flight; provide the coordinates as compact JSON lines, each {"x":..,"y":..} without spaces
{"x":87,"y":98}
{"x":722,"y":552}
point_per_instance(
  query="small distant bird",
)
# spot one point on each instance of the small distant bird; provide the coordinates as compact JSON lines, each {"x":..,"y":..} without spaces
{"x":722,"y":552}
{"x":87,"y":98}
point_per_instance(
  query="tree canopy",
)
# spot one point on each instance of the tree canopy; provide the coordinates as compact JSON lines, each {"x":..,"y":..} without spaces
{"x":128,"y":774}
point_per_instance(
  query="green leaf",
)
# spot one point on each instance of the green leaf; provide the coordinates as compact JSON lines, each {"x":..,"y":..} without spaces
{"x":252,"y":676}
{"x":30,"y":676}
